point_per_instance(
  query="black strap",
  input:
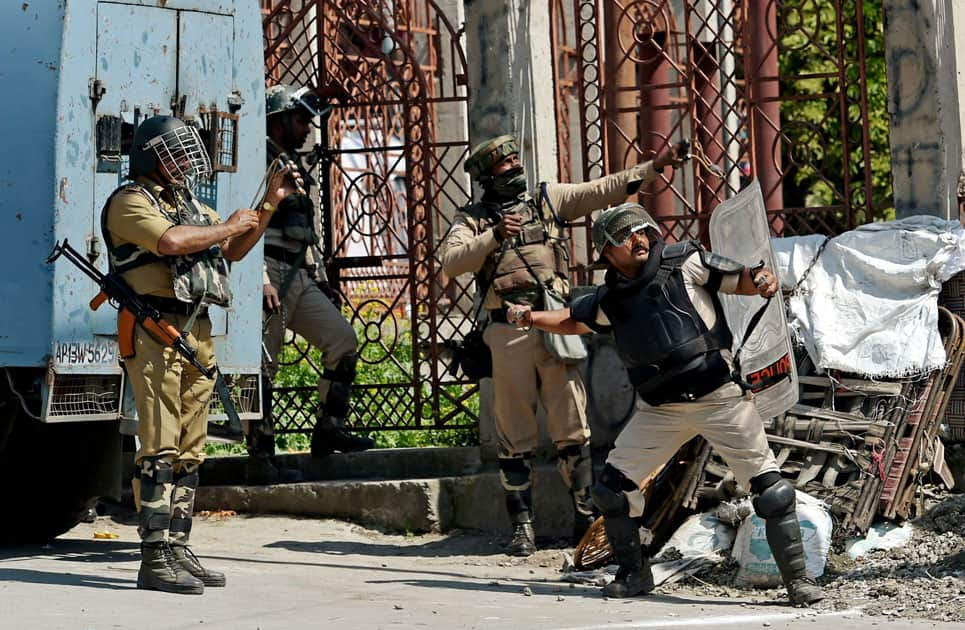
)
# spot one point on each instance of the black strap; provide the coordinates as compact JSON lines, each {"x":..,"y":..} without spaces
{"x":755,"y":320}
{"x":296,"y":264}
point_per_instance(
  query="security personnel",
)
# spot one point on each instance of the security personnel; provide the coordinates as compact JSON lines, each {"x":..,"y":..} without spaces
{"x":516,"y":245}
{"x":171,"y":249}
{"x":296,"y":293}
{"x":660,"y":303}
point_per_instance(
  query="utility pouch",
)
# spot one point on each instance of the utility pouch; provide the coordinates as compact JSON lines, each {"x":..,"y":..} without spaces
{"x":565,"y":348}
{"x":473,"y":356}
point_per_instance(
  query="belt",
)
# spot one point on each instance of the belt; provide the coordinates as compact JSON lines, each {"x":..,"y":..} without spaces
{"x":284,"y":255}
{"x":173,"y":306}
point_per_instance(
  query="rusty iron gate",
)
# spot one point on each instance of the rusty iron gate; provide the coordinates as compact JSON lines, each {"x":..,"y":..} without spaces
{"x":389,"y":167}
{"x":770,"y":89}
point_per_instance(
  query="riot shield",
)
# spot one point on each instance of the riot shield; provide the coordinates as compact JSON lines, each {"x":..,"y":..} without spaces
{"x":739,"y":230}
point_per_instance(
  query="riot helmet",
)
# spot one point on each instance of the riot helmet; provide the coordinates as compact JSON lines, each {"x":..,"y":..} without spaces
{"x":286,"y":98}
{"x":171,"y":147}
{"x":485,"y":155}
{"x":614,"y":226}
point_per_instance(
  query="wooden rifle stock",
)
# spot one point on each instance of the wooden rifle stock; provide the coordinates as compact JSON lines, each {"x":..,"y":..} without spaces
{"x":133,"y":310}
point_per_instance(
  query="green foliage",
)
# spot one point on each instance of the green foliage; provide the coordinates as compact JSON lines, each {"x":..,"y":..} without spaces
{"x":823,"y":148}
{"x":385,"y":352}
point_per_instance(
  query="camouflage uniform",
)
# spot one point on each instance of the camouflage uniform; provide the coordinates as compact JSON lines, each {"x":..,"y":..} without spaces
{"x":524,"y":372}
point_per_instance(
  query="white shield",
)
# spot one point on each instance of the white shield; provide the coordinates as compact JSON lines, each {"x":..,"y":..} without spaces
{"x":739,"y":230}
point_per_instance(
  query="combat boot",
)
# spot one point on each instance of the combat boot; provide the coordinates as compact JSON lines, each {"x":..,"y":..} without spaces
{"x":523,"y":542}
{"x":326,"y":440}
{"x":160,"y":571}
{"x":784,"y":537}
{"x":189,"y":562}
{"x":634,"y":576}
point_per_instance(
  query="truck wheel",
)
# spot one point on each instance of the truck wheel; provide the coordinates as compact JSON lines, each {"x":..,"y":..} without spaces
{"x":52,"y":473}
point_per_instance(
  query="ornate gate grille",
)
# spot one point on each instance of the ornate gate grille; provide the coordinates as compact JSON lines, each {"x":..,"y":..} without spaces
{"x":389,"y":167}
{"x":772,"y":89}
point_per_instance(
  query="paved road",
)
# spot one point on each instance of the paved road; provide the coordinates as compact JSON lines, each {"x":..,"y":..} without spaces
{"x":286,"y":573}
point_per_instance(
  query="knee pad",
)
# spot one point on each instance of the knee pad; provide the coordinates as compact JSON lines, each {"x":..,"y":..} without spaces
{"x":516,"y":473}
{"x":344,"y":371}
{"x":575,"y":465}
{"x":775,"y":499}
{"x":156,"y":470}
{"x":609,"y":493}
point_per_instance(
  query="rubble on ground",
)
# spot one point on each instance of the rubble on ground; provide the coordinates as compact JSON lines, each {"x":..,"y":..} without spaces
{"x":925,"y":579}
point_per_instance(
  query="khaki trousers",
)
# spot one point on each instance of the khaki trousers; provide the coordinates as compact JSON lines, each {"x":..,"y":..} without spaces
{"x":725,"y":418}
{"x":171,"y":395}
{"x":524,"y":373}
{"x":308,"y":313}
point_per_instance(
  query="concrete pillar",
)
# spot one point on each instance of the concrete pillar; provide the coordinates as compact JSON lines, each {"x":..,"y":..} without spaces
{"x":511,"y":80}
{"x":766,"y":106}
{"x":925,"y":114}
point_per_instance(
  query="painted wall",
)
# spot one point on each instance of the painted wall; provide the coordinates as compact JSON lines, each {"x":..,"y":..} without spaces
{"x":923,"y":106}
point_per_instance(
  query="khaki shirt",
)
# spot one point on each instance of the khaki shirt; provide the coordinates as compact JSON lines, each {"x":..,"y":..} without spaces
{"x":132,"y":218}
{"x":469,"y":243}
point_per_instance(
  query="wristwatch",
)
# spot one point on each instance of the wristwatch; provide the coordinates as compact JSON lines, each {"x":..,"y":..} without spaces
{"x":267,"y":206}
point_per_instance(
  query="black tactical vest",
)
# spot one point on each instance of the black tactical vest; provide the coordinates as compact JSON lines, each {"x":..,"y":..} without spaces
{"x":669,"y":352}
{"x":295,"y":216}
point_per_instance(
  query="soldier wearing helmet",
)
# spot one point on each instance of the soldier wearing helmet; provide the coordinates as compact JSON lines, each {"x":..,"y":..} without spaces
{"x":660,"y":303}
{"x":171,"y":249}
{"x":515,"y":243}
{"x":296,"y":291}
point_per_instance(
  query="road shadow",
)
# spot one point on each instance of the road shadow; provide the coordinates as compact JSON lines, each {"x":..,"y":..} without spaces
{"x":31,"y":576}
{"x":452,"y":545}
{"x":77,"y":550}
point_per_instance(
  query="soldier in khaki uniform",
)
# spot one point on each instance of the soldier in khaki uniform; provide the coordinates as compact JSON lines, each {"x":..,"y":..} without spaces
{"x":171,"y":249}
{"x":516,"y":245}
{"x":296,"y":291}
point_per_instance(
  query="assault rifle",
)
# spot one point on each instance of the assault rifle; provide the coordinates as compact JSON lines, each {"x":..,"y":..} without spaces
{"x":134,"y":310}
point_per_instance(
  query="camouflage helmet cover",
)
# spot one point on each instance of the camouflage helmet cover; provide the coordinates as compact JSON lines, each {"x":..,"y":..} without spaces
{"x":485,"y":154}
{"x":615,"y":225}
{"x":285,"y":98}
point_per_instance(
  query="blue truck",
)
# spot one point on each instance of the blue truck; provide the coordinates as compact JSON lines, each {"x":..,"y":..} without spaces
{"x":80,"y":75}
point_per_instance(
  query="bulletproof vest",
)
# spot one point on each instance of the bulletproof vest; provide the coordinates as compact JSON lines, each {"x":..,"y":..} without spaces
{"x":526,"y":263}
{"x":295,"y":215}
{"x":669,"y":352}
{"x":199,"y":278}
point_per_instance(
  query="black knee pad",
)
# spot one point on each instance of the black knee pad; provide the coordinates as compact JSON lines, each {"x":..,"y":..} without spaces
{"x":344,"y":371}
{"x":516,"y":472}
{"x":776,"y":498}
{"x":156,"y":470}
{"x":609,"y":493}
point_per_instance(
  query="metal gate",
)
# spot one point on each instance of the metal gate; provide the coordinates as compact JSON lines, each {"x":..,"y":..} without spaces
{"x":769,"y":89}
{"x":389,"y":167}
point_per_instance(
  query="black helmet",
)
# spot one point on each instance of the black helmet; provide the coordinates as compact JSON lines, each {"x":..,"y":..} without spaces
{"x":168,"y":143}
{"x":285,"y":98}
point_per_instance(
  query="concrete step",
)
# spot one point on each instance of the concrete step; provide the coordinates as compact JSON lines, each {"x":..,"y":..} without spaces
{"x":470,"y":498}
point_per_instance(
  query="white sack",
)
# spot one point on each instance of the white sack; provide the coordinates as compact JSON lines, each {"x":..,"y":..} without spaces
{"x":870,"y":303}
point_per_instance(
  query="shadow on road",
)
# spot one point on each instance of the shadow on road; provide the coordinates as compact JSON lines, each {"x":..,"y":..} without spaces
{"x":451,"y":546}
{"x":76,"y":550}
{"x":31,"y":576}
